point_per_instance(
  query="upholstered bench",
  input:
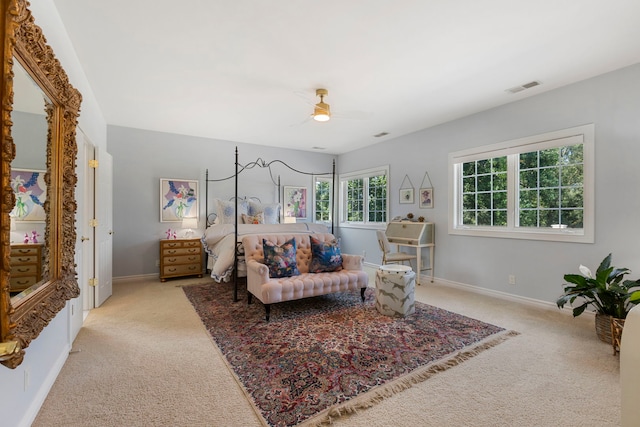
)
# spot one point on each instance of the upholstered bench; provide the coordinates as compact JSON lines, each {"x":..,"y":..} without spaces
{"x":348,"y":276}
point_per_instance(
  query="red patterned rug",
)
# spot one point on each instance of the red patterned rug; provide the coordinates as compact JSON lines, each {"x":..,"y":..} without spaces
{"x":321,"y":357}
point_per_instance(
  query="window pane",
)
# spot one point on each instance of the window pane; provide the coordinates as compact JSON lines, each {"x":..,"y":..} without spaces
{"x":483,"y":166}
{"x":500,"y":200}
{"x":468,"y":168}
{"x":500,"y":181}
{"x":499,"y":164}
{"x":550,"y":157}
{"x":529,"y":160}
{"x":529,"y":179}
{"x":528,"y":218}
{"x":572,"y":197}
{"x":484,"y":182}
{"x":484,"y":217}
{"x":528,"y":199}
{"x":500,"y":218}
{"x":572,"y":176}
{"x":469,"y":184}
{"x":549,"y":198}
{"x":548,"y":217}
{"x":549,"y":177}
{"x":572,"y":217}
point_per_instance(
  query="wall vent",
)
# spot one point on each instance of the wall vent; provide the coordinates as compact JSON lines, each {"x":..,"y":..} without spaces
{"x":525,"y":86}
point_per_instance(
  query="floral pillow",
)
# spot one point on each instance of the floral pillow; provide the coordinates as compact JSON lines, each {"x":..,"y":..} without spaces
{"x":226,"y":210}
{"x":325,"y":256}
{"x":281,"y":260}
{"x":253,"y":219}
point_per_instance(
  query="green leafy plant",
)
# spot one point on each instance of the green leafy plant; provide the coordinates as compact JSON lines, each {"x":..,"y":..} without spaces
{"x":607,"y":292}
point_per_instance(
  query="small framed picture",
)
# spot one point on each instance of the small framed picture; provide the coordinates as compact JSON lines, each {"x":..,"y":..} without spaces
{"x":178,"y":199}
{"x":31,"y":193}
{"x":406,"y":195}
{"x":426,"y":197}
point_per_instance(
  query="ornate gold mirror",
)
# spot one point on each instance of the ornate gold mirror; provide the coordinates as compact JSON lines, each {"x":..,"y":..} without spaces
{"x":37,"y":168}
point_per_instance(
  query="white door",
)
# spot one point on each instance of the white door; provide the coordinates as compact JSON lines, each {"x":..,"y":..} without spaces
{"x":84,"y":234}
{"x":104,"y":228}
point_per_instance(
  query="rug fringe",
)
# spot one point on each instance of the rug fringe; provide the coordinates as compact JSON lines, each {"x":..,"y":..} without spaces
{"x":385,"y":391}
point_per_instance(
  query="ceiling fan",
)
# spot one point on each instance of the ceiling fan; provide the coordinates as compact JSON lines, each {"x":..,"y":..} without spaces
{"x":321,"y":111}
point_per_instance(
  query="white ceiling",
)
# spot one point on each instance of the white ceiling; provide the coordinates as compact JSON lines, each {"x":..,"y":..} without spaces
{"x":247,"y":70}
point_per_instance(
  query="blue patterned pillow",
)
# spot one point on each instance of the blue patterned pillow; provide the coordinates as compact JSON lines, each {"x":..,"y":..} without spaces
{"x":281,"y":260}
{"x":226,"y":211}
{"x":325,"y":256}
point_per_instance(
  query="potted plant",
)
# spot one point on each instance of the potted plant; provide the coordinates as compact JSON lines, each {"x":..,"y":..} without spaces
{"x":607,"y":292}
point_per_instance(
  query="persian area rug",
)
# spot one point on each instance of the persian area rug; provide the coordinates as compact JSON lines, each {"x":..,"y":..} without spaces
{"x":319,"y":358}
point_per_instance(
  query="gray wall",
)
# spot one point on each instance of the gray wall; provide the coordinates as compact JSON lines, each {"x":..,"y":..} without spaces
{"x":141,"y":158}
{"x":610,"y":101}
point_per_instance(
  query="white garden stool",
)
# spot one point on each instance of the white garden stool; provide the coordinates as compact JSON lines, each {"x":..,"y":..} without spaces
{"x":395,"y":286}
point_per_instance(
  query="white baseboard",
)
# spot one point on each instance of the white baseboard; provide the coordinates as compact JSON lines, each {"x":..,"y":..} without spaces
{"x":489,"y":292}
{"x":32,"y":412}
{"x":137,"y":277}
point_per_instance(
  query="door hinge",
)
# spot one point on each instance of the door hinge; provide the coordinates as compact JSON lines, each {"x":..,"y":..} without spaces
{"x":93,"y":223}
{"x":93,"y":163}
{"x":93,"y":282}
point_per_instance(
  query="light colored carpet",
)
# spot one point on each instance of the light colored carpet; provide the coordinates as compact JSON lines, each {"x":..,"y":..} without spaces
{"x":145,"y":359}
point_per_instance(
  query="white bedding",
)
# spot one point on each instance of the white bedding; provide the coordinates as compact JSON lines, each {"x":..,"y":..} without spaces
{"x":218,"y":242}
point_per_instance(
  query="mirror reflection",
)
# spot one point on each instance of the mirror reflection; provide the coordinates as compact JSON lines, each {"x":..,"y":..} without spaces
{"x":28,"y":217}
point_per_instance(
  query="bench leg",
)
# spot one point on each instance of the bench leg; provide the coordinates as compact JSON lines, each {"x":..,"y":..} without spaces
{"x":267,"y":309}
{"x":249,"y":297}
{"x":362,"y":293}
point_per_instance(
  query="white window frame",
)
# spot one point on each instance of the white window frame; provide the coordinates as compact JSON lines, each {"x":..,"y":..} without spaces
{"x":317,"y":179}
{"x":366,"y":173}
{"x":580,"y":134}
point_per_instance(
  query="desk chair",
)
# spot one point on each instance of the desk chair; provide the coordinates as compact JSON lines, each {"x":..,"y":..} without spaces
{"x":389,"y":257}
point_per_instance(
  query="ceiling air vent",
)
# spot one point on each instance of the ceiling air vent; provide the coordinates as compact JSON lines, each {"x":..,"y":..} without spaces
{"x":529,"y":85}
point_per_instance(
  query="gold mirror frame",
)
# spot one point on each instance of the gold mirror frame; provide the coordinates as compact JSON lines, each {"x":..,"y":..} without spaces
{"x":24,"y":41}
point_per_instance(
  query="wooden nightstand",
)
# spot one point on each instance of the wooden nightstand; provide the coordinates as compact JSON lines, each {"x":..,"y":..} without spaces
{"x":180,"y":257}
{"x":26,"y":265}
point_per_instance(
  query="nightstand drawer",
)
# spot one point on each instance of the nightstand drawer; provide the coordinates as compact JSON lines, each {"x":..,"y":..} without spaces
{"x":183,"y":259}
{"x":180,"y":251}
{"x":181,"y":270}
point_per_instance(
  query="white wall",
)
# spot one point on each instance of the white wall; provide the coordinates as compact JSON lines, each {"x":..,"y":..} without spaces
{"x":610,"y":101}
{"x":45,"y":356}
{"x":141,"y":158}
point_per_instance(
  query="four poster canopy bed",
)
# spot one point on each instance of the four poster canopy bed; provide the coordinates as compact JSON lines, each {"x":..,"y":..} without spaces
{"x":241,"y":217}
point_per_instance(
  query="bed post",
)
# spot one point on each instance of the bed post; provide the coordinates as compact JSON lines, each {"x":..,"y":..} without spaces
{"x":235,"y":255}
{"x":333,"y":198}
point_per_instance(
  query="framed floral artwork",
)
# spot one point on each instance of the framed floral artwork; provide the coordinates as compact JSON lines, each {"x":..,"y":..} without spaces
{"x":31,"y":193}
{"x":295,"y":202}
{"x":178,"y":199}
{"x":426,"y":197}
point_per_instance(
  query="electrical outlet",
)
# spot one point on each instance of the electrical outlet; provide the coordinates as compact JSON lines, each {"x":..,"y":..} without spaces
{"x":157,"y":263}
{"x":512,"y":279}
{"x":364,"y":254}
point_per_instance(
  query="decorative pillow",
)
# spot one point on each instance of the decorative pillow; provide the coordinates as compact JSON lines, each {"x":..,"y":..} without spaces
{"x":325,"y":256}
{"x":226,"y":210}
{"x":281,"y":260}
{"x":271,"y":211}
{"x":253,"y":219}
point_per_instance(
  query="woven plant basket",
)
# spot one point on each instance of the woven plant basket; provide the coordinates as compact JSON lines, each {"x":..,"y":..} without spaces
{"x":603,"y":328}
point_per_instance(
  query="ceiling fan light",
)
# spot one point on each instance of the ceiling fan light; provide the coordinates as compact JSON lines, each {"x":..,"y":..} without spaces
{"x":321,"y":112}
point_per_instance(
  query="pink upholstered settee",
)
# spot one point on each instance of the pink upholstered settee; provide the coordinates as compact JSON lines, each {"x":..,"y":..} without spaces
{"x":272,"y":290}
